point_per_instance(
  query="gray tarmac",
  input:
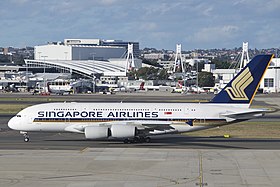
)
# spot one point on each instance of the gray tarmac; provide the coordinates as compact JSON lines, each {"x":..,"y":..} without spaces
{"x":124,"y":167}
{"x":54,"y":159}
{"x":69,"y":141}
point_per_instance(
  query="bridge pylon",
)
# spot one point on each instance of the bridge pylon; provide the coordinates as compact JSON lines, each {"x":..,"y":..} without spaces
{"x":245,"y":55}
{"x":178,"y":60}
{"x":130,"y":64}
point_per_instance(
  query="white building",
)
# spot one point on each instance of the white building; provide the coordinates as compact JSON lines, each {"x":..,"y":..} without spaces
{"x":99,"y":42}
{"x":209,"y":67}
{"x":155,"y":56}
{"x":166,"y":64}
{"x":59,"y":51}
{"x":269,"y":84}
{"x":84,"y":49}
{"x":82,"y":41}
{"x":86,"y":56}
{"x":193,"y":61}
{"x":222,"y":76}
{"x":271,"y":80}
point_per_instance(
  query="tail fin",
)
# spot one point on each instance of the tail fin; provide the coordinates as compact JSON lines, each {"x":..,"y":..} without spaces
{"x":243,"y":87}
{"x":142,"y":86}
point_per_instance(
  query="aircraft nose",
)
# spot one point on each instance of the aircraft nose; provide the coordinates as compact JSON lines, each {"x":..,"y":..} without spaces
{"x":13,"y":123}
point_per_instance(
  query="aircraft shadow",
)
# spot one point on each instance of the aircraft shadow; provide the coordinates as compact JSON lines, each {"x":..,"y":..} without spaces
{"x":181,"y":142}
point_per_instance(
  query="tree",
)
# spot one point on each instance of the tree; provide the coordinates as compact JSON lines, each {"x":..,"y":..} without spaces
{"x":162,"y":74}
{"x":4,"y":58}
{"x":150,"y":73}
{"x":18,"y":59}
{"x":144,"y":72}
{"x":221,"y":64}
{"x":132,"y":75}
{"x":206,"y":79}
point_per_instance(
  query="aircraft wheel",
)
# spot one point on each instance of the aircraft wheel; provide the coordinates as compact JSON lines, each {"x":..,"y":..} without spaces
{"x":126,"y":141}
{"x":26,"y":139}
{"x":142,"y":139}
{"x":147,"y":139}
{"x":136,"y":140}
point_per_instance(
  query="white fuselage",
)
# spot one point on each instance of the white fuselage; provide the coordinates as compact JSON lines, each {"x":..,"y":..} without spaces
{"x":61,"y":117}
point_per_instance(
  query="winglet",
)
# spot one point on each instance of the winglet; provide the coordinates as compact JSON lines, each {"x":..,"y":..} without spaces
{"x":243,"y":87}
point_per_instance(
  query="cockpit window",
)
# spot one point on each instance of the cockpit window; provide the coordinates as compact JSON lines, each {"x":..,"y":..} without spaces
{"x":18,"y":116}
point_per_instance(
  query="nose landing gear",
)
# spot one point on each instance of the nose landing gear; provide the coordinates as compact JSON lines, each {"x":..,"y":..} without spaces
{"x":26,"y":137}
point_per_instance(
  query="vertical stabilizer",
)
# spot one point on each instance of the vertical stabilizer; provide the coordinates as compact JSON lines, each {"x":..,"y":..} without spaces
{"x":243,"y":87}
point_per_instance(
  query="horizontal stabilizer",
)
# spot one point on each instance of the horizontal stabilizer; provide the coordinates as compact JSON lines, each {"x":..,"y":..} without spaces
{"x":231,"y":116}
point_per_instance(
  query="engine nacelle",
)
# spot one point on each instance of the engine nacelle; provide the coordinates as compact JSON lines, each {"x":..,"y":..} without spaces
{"x":123,"y":131}
{"x":96,"y":132}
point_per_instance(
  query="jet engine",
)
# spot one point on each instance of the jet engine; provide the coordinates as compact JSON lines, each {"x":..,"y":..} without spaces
{"x":123,"y":131}
{"x":96,"y":132}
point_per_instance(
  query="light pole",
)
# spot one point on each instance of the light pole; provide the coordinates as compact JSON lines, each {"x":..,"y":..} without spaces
{"x":276,"y":73}
{"x":45,"y":90}
{"x":197,"y":76}
{"x":26,"y":76}
{"x":276,"y":78}
{"x":93,"y":77}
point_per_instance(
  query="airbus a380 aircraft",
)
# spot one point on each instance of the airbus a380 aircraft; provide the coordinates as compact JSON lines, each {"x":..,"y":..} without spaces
{"x":137,"y":121}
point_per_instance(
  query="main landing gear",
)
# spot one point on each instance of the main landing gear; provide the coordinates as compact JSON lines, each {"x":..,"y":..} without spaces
{"x":136,"y":139}
{"x":26,"y":137}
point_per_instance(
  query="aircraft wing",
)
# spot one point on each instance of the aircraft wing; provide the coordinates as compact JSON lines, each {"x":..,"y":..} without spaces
{"x":150,"y":127}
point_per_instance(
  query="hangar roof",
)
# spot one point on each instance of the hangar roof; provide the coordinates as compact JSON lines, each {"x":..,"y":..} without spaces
{"x":85,"y":67}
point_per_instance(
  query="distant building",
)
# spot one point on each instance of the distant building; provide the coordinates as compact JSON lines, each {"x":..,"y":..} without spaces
{"x":85,"y":57}
{"x":99,"y":42}
{"x":88,"y":42}
{"x":193,"y":61}
{"x":120,"y":43}
{"x":5,"y":51}
{"x":269,"y":84}
{"x":222,"y":76}
{"x":209,"y":67}
{"x":59,"y":51}
{"x":84,"y":49}
{"x":155,"y":56}
{"x":166,"y":64}
{"x":271,"y":80}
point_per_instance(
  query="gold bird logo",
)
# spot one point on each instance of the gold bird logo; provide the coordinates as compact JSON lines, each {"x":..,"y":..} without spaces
{"x":236,"y":91}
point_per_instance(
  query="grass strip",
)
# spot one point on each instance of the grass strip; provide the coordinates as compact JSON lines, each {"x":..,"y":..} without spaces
{"x":249,"y":129}
{"x":12,"y":108}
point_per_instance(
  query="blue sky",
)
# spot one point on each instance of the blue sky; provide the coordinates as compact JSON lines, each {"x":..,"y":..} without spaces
{"x":202,"y":24}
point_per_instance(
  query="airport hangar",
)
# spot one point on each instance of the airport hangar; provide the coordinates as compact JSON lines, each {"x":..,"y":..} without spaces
{"x":87,"y":68}
{"x":86,"y":57}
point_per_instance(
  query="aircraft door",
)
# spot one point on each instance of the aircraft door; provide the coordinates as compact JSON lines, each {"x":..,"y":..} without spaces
{"x":187,"y":110}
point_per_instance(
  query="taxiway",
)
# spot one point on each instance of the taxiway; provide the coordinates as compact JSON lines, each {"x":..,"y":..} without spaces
{"x":54,"y":159}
